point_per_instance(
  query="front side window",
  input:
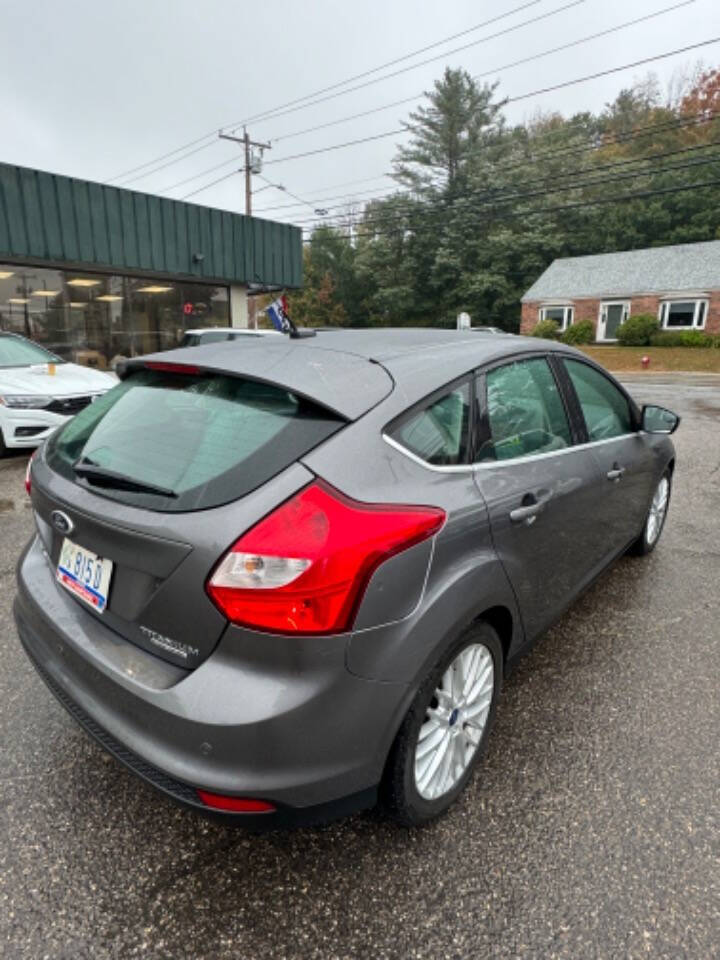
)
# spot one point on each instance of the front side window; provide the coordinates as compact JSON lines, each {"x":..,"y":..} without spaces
{"x":525,"y":412}
{"x":439,"y":433}
{"x":176,"y":441}
{"x":683,"y":314}
{"x":605,"y":408}
{"x":562,"y":315}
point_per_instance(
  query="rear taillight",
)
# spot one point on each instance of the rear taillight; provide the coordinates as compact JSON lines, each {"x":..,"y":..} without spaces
{"x":304,"y":568}
{"x":28,"y":474}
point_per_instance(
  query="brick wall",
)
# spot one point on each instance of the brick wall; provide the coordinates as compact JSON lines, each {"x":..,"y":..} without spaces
{"x":584,"y":310}
{"x":647,"y":304}
{"x":712,"y":320}
{"x":528,"y":317}
{"x":588,"y":309}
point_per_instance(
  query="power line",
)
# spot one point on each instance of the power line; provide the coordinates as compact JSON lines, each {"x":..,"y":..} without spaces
{"x":349,"y":197}
{"x":524,"y":96}
{"x":196,"y":176}
{"x":226,"y":163}
{"x":273,"y":113}
{"x":490,"y":199}
{"x":576,"y":173}
{"x":163,"y":166}
{"x":496,"y":70}
{"x":639,"y":133}
{"x":366,"y":196}
{"x":279,"y":186}
{"x":571,"y":206}
{"x":212,"y":183}
{"x":346,"y":183}
{"x":170,"y":153}
{"x":211,"y":135}
{"x":618,"y":139}
{"x":278,"y":112}
{"x":392,"y":63}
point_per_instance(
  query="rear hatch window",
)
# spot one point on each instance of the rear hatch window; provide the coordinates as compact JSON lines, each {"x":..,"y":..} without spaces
{"x":175,"y":442}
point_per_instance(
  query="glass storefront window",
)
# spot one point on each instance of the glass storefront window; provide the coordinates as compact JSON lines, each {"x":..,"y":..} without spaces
{"x":96,"y":319}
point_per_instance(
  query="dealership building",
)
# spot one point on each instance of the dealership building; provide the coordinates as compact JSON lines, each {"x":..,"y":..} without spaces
{"x":95,"y":272}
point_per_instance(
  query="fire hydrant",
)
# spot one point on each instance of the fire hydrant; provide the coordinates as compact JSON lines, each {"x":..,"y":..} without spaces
{"x":645,"y":362}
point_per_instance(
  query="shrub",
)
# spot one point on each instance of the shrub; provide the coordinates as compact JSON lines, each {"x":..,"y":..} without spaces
{"x":547,"y":329}
{"x":582,"y":332}
{"x":636,"y":331}
{"x":683,"y":338}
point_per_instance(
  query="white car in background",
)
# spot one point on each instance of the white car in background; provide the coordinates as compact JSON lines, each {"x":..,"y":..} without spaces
{"x":39,"y":391}
{"x":196,"y":338}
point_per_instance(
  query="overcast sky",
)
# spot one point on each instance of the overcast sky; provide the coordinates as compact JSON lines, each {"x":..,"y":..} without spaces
{"x":93,"y":88}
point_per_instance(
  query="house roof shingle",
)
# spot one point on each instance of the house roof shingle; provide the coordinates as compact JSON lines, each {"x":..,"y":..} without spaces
{"x":685,"y":267}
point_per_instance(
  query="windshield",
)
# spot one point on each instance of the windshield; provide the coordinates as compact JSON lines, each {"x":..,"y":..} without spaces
{"x":16,"y":352}
{"x":177,"y":442}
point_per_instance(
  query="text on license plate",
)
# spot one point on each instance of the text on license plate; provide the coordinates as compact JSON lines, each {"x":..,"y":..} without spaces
{"x":84,"y":574}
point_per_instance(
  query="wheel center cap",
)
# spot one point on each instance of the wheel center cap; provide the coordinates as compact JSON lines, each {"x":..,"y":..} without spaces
{"x":453,"y":717}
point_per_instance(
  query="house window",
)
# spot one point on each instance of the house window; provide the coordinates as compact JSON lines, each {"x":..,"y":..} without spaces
{"x":563,"y":315}
{"x":683,"y":314}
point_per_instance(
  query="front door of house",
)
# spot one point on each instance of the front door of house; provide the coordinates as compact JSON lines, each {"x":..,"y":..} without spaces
{"x":612,"y":315}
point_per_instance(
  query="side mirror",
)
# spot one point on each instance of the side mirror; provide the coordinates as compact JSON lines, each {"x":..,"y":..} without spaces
{"x":659,"y":420}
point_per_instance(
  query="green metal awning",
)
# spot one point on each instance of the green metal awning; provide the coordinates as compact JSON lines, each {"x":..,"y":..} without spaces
{"x":50,"y":219}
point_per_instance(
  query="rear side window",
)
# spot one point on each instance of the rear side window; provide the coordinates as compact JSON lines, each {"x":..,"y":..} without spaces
{"x":439,"y":433}
{"x":177,"y":442}
{"x":525,"y":412}
{"x":605,"y":408}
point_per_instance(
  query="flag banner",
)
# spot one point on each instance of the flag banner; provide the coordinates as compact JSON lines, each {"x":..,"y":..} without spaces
{"x":279,"y":316}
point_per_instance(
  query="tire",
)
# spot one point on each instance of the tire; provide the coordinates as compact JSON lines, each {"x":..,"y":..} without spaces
{"x":406,"y":794}
{"x":654,"y":524}
{"x":3,"y":448}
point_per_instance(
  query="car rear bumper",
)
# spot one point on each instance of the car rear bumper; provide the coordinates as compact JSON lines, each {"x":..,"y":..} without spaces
{"x":253,"y":720}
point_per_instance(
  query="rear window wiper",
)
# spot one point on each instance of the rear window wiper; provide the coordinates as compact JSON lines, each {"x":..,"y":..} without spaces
{"x":111,"y":478}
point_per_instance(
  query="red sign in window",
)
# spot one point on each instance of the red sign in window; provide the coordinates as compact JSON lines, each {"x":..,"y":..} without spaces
{"x":187,"y":309}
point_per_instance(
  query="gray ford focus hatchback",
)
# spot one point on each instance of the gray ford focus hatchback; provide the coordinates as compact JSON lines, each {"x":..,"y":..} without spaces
{"x":283,"y":580}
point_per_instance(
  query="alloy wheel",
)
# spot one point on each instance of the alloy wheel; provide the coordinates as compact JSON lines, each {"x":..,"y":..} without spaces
{"x":658,"y":509}
{"x":454,"y":722}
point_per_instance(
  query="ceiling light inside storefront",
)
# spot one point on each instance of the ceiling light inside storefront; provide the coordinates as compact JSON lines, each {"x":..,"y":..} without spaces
{"x":153,"y":289}
{"x":6,"y":274}
{"x":82,"y":282}
{"x":17,"y":300}
{"x":77,"y":304}
{"x":44,"y":293}
{"x":109,"y":298}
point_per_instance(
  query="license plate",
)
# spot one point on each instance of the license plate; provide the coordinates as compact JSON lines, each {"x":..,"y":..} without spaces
{"x":84,"y":574}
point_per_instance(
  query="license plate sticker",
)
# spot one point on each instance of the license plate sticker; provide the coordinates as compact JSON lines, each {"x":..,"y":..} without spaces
{"x":84,"y":574}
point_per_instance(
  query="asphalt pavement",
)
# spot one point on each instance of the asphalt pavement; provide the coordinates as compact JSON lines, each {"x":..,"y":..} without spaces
{"x":590,"y":831}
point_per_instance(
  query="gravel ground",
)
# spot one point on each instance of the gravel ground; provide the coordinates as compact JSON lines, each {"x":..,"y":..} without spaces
{"x":591,"y":830}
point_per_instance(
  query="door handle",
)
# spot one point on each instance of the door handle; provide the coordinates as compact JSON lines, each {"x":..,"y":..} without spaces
{"x":527,"y":515}
{"x":616,"y":472}
{"x":528,"y":512}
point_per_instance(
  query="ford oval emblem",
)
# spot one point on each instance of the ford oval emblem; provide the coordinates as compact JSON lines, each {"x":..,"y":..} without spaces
{"x":62,"y":522}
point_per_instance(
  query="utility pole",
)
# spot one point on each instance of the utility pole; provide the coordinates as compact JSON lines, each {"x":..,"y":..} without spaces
{"x":250,"y":161}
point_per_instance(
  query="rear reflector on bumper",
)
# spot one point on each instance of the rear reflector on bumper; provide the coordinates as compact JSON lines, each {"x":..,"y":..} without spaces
{"x":305,"y":567}
{"x":235,"y":804}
